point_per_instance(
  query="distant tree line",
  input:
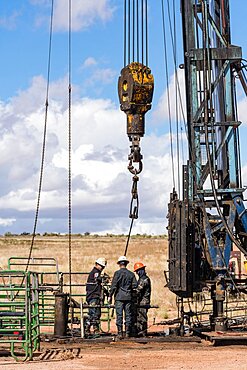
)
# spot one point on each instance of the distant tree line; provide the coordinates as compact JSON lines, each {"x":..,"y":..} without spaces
{"x":9,"y":234}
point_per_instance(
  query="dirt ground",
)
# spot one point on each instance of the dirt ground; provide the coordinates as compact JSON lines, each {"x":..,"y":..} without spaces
{"x":147,"y":356}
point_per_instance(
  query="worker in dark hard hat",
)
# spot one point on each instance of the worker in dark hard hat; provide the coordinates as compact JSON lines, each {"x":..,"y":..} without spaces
{"x":143,"y":292}
{"x":122,"y":287}
{"x":93,"y":295}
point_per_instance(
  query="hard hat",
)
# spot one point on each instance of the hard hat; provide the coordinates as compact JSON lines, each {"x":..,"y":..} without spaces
{"x":101,"y":261}
{"x":138,"y":265}
{"x":122,"y":259}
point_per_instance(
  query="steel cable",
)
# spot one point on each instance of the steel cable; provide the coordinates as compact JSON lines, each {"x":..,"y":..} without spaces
{"x":193,"y":165}
{"x":136,"y":32}
{"x":43,"y":149}
{"x":176,"y":97}
{"x":227,"y":228}
{"x":129,"y":32}
{"x":168,"y":91}
{"x":133,"y":33}
{"x":146,"y":29}
{"x":190,"y":149}
{"x":142,"y":30}
{"x":69,"y":154}
{"x":124,"y":31}
{"x":44,"y":139}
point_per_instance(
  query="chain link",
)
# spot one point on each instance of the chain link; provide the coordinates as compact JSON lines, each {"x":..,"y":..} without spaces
{"x":136,"y":157}
{"x":134,"y":203}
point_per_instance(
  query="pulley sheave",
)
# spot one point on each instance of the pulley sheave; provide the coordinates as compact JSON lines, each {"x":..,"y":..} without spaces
{"x":135,"y":90}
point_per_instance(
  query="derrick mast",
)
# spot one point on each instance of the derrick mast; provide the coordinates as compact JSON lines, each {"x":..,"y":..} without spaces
{"x":210,"y":218}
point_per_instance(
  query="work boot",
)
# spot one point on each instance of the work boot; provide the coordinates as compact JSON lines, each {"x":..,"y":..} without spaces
{"x":119,"y":332}
{"x":128,"y":332}
{"x":87,"y":331}
{"x":96,"y":329}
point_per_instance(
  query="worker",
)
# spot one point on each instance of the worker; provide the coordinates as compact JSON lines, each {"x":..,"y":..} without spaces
{"x":143,"y":294}
{"x":122,"y":287}
{"x":93,"y":296}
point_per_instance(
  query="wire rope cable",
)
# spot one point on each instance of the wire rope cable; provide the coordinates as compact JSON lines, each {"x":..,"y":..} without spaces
{"x":43,"y":151}
{"x":142,"y":30}
{"x":69,"y":149}
{"x":137,"y":32}
{"x":168,"y":91}
{"x":146,"y":30}
{"x":227,"y":228}
{"x":133,"y":33}
{"x":135,"y":48}
{"x":44,"y":139}
{"x":176,"y":99}
{"x":129,"y":33}
{"x":124,"y":32}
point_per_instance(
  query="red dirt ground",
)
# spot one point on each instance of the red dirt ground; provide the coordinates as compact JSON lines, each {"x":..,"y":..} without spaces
{"x":129,"y":355}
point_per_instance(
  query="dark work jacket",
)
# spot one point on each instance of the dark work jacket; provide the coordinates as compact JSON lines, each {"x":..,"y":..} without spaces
{"x":93,"y":285}
{"x":122,"y":286}
{"x":143,"y":290}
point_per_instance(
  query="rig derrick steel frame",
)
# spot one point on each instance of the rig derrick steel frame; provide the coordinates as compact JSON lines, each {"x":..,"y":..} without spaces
{"x":211,"y":218}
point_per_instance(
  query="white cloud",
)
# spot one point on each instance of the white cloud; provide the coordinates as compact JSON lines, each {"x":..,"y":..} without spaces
{"x":242,"y":110}
{"x":162,"y":111}
{"x":89,"y":62}
{"x":84,"y":13}
{"x":100,"y":180}
{"x":9,"y":22}
{"x":103,"y":75}
{"x":7,"y":221}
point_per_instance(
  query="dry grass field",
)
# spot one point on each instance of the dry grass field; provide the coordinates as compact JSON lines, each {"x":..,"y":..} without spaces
{"x":152,"y":251}
{"x":120,"y":355}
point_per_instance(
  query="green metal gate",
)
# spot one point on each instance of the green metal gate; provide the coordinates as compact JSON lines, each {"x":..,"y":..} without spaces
{"x":19,"y":312}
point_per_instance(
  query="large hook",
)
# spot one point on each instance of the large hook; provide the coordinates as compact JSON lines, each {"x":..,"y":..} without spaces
{"x":133,"y":170}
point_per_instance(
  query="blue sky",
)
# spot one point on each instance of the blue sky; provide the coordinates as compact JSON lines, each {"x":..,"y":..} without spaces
{"x":101,"y":183}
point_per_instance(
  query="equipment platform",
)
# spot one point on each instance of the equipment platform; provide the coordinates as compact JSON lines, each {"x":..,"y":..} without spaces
{"x":223,"y":337}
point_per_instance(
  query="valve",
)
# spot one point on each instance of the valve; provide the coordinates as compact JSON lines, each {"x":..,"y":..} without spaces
{"x":135,"y":90}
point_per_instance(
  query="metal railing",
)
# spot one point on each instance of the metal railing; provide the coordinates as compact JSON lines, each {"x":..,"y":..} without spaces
{"x":19,"y":312}
{"x":51,"y":280}
{"x":200,"y":308}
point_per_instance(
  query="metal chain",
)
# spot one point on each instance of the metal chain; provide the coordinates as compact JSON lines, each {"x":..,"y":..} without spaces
{"x":134,"y":203}
{"x":136,"y":157}
{"x":134,"y":209}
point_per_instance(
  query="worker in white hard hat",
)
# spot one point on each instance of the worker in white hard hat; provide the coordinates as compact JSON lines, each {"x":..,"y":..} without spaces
{"x":93,"y":295}
{"x":122,"y":287}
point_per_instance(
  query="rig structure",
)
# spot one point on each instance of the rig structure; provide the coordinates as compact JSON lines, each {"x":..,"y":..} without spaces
{"x":209,"y":224}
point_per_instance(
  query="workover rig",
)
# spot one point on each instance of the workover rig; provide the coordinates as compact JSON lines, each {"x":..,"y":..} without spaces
{"x":209,"y":223}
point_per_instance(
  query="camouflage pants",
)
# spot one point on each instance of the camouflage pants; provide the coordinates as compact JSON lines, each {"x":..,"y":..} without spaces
{"x":142,"y":321}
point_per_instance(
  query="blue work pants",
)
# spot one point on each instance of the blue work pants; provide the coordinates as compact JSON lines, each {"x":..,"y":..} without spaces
{"x":94,"y":313}
{"x":123,"y":308}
